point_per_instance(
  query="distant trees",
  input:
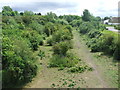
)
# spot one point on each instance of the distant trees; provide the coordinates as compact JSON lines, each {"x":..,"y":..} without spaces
{"x":7,"y":11}
{"x":28,"y":13}
{"x":86,"y":15}
{"x":70,"y":18}
{"x":105,"y":18}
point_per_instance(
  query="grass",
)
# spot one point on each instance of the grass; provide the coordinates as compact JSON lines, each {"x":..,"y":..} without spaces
{"x":110,"y":68}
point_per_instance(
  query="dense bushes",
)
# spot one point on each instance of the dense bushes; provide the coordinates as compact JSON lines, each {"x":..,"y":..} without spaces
{"x":85,"y":27}
{"x":94,"y":34}
{"x":98,"y":39}
{"x":59,"y":37}
{"x":21,"y":36}
{"x":18,"y":62}
{"x":50,"y":41}
{"x":109,"y":44}
{"x":34,"y":38}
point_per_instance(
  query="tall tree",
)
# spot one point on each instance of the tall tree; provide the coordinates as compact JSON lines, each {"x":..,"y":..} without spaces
{"x":86,"y":15}
{"x":7,"y":11}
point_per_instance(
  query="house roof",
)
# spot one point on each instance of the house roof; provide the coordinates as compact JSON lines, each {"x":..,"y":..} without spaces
{"x":115,"y":20}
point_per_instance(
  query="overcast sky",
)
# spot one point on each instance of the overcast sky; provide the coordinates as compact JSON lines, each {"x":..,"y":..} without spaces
{"x":60,"y":7}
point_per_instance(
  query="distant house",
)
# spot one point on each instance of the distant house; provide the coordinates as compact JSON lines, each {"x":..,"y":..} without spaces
{"x":106,"y":21}
{"x":112,"y":21}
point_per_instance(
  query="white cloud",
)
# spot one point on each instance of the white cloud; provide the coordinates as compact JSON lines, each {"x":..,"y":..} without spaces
{"x":76,"y":7}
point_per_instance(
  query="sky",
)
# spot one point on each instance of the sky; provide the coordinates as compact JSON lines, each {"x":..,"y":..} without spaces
{"x":100,"y":8}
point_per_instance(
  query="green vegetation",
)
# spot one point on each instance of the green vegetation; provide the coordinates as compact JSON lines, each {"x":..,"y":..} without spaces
{"x":117,"y":27}
{"x":98,"y":39}
{"x":58,"y":61}
{"x":80,"y":69}
{"x":25,"y":32}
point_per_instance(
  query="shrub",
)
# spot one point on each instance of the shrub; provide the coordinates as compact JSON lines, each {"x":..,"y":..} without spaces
{"x":76,"y":23}
{"x":62,"y":35}
{"x":49,"y":28}
{"x":50,"y":41}
{"x":108,"y":43}
{"x":18,"y":62}
{"x":21,"y":26}
{"x":94,"y":33}
{"x":61,"y":48}
{"x":36,"y":26}
{"x":34,"y":38}
{"x":58,"y":61}
{"x":41,"y":54}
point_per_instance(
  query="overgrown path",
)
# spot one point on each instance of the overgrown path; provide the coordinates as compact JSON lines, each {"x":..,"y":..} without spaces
{"x":52,"y":77}
{"x":83,"y":52}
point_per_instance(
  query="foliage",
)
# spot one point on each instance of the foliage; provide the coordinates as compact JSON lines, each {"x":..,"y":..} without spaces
{"x":36,"y":26}
{"x":50,"y":41}
{"x":41,"y":54}
{"x":79,"y":69}
{"x":85,"y":27}
{"x":76,"y":23}
{"x":62,"y":35}
{"x":105,"y":18}
{"x":117,"y":27}
{"x":28,"y":13}
{"x":94,"y":34}
{"x":86,"y":15}
{"x":7,"y":11}
{"x":70,"y":18}
{"x":108,"y":43}
{"x":61,"y":48}
{"x":18,"y":61}
{"x":49,"y":28}
{"x":61,"y":21}
{"x":58,"y":61}
{"x":34,"y":38}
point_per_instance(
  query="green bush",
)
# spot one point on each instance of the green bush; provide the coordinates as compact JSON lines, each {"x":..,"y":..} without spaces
{"x":117,"y":27}
{"x":18,"y":62}
{"x":58,"y":61}
{"x":41,"y":54}
{"x":36,"y":26}
{"x":61,"y":48}
{"x":49,"y":29}
{"x":76,"y":23}
{"x":34,"y":38}
{"x":85,"y":27}
{"x":94,"y":34}
{"x":108,"y":43}
{"x":50,"y":41}
{"x":62,"y":35}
